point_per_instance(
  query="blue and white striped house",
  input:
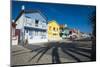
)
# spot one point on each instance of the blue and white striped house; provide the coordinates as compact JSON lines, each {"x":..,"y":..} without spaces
{"x":32,"y":25}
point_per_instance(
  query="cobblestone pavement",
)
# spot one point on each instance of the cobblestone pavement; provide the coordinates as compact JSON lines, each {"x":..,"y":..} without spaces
{"x":51,"y":53}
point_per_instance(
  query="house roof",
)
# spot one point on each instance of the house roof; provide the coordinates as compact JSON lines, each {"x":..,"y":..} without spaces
{"x":29,"y":11}
{"x":53,"y":21}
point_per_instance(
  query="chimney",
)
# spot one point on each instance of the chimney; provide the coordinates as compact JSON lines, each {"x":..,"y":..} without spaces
{"x":23,"y":7}
{"x":13,"y":24}
{"x":13,"y":21}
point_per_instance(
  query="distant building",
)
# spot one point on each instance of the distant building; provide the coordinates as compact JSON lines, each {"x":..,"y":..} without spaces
{"x":64,"y":31}
{"x":32,"y":25}
{"x":85,"y":35}
{"x":73,"y":34}
{"x":53,"y":31}
{"x":79,"y":34}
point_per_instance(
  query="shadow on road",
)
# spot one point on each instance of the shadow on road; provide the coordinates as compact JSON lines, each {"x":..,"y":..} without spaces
{"x":69,"y":49}
{"x":55,"y":55}
{"x":17,"y":51}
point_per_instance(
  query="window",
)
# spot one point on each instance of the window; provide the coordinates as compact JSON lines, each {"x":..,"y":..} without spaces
{"x":36,"y":22}
{"x":50,"y":28}
{"x":36,"y":33}
{"x":33,"y":33}
{"x":26,"y":31}
{"x":43,"y":25}
{"x":55,"y":34}
{"x":70,"y":32}
{"x":30,"y":34}
{"x":57,"y":29}
{"x":54,"y":28}
{"x":39,"y":33}
{"x":43,"y":35}
{"x":28,"y":21}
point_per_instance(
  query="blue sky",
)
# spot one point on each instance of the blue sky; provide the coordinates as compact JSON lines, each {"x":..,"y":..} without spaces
{"x":75,"y":16}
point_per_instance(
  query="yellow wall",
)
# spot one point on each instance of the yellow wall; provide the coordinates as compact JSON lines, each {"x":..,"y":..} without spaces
{"x":53,"y":30}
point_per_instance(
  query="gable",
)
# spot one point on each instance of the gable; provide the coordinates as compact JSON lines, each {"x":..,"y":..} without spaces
{"x":53,"y":23}
{"x":33,"y":14}
{"x":36,"y":16}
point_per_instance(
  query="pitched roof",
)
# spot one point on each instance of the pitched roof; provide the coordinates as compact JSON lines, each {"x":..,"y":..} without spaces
{"x":29,"y":11}
{"x":53,"y":21}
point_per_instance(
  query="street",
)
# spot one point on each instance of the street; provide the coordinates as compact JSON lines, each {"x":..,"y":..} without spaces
{"x":51,"y":53}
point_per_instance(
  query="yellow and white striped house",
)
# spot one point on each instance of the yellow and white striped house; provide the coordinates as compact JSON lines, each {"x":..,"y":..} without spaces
{"x":53,"y":31}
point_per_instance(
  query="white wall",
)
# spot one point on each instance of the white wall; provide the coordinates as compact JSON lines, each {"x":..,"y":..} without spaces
{"x":34,"y":16}
{"x":36,"y":38}
{"x":20,"y":22}
{"x":29,"y":20}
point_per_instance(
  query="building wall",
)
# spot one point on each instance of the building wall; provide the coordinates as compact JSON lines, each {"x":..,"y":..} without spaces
{"x":14,"y":37}
{"x":64,"y":31}
{"x":53,"y":31}
{"x":35,"y":36}
{"x":36,"y":16}
{"x":20,"y":22}
{"x":13,"y":31}
{"x":20,"y":26}
{"x":30,"y":22}
{"x":31,"y":31}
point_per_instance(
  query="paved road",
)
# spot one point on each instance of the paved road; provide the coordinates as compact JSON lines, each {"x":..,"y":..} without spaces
{"x":51,"y":53}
